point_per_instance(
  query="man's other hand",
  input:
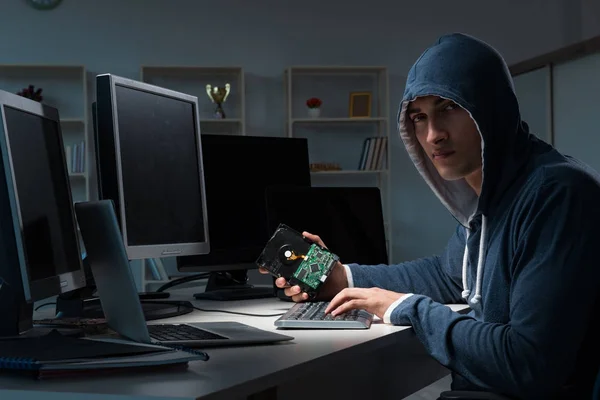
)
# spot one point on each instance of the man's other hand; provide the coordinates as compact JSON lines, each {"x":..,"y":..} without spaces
{"x":374,"y":300}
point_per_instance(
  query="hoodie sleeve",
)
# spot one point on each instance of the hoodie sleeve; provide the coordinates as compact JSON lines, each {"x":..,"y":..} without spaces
{"x":437,"y":277}
{"x":554,"y":283}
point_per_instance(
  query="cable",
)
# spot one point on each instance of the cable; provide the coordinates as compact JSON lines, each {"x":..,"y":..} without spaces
{"x":44,"y":305}
{"x":190,"y":278}
{"x":182,"y":280}
{"x":184,"y":303}
{"x":238,"y":313}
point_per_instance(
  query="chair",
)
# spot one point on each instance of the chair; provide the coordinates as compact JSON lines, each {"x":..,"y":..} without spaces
{"x":466,"y":395}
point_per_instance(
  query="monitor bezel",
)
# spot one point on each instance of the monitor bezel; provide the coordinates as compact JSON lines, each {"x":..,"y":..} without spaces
{"x":164,"y":249}
{"x":61,"y":283}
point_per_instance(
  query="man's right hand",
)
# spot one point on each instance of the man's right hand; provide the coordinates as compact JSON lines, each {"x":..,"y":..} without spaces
{"x":335,"y":283}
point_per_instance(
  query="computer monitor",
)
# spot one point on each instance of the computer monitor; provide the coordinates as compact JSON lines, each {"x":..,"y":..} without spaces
{"x":238,"y":170}
{"x":348,"y":219}
{"x":149,"y":163}
{"x":40,"y":255}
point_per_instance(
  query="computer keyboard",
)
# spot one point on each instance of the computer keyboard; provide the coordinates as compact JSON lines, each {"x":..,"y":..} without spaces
{"x":177,"y":332}
{"x":312,"y":316}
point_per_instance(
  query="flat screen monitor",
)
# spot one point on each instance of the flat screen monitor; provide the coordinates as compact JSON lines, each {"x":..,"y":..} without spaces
{"x":349,"y":220}
{"x":37,"y":192}
{"x":238,"y":170}
{"x":149,"y":162}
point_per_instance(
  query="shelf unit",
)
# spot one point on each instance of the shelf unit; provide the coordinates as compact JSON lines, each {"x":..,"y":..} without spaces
{"x":335,"y":136}
{"x":193,"y":80}
{"x":65,"y":88}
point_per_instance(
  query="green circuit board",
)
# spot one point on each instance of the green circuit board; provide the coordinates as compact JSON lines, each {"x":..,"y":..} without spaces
{"x":315,"y":267}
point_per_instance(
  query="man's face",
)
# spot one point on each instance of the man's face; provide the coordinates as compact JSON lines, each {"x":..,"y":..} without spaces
{"x":448,"y":135}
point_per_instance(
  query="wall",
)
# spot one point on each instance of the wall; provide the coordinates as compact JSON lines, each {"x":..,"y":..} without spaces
{"x":590,"y":18}
{"x":575,"y":88}
{"x":532,"y":89}
{"x":118,"y":36}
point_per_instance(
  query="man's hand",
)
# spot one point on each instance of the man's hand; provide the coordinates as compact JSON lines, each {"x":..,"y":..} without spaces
{"x":336,"y":281}
{"x":374,"y":300}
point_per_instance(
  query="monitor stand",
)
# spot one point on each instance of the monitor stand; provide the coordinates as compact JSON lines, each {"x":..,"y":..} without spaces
{"x":76,"y":306}
{"x":232,"y":285}
{"x":16,"y":313}
{"x":18,"y":323}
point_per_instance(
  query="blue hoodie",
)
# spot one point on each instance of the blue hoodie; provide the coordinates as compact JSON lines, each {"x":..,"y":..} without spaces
{"x":524,"y":254}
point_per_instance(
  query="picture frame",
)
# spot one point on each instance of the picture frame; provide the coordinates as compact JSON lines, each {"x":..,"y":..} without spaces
{"x":360,"y":105}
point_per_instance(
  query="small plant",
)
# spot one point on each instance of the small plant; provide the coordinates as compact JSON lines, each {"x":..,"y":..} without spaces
{"x":313,"y":102}
{"x":30,"y":93}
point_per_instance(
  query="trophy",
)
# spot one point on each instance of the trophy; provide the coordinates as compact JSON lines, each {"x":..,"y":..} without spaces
{"x":218,"y":96}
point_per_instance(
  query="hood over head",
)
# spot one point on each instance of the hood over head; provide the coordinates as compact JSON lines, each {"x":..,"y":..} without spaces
{"x":474,"y":75}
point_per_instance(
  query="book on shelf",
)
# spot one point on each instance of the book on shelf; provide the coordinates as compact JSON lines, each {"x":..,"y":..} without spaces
{"x":75,"y":156}
{"x":55,"y":355}
{"x":374,"y":154}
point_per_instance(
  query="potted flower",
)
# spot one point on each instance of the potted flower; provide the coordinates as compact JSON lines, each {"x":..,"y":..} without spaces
{"x":314,"y":107}
{"x":31,"y":93}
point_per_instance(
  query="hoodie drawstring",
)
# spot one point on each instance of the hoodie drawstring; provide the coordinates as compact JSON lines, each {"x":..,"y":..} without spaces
{"x":466,"y":292}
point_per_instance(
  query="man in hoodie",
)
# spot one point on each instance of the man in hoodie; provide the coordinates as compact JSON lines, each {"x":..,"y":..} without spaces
{"x":524,"y":253}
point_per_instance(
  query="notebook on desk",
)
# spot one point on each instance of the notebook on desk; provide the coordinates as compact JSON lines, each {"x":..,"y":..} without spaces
{"x":55,"y":355}
{"x":118,"y":294}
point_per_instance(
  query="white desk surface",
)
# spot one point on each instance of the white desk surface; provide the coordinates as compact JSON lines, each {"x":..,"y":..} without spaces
{"x":330,"y":358}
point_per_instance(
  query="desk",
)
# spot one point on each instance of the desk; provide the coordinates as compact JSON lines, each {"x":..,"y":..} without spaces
{"x":381,"y":362}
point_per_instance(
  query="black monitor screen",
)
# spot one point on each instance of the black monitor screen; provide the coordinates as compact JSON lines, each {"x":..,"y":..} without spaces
{"x":160,"y":168}
{"x":348,"y":219}
{"x":237,"y":172}
{"x":49,"y":236}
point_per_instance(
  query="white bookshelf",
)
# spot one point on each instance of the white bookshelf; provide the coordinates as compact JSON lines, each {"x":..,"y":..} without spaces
{"x":193,"y":80}
{"x":65,"y":88}
{"x":335,"y":136}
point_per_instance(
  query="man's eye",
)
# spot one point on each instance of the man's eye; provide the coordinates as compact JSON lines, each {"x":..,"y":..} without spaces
{"x":417,"y":118}
{"x":451,"y":106}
